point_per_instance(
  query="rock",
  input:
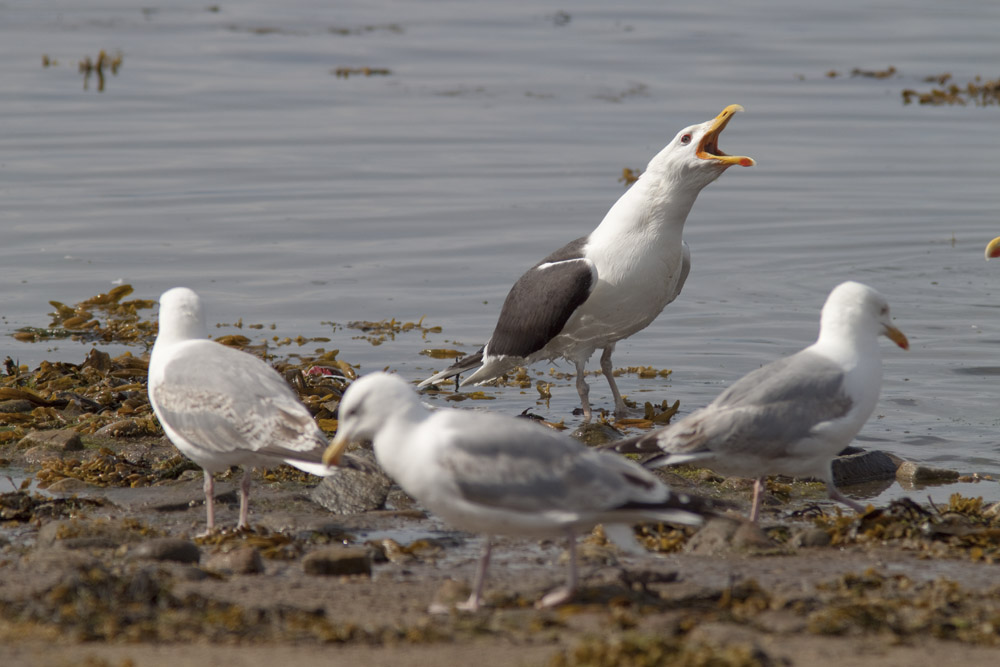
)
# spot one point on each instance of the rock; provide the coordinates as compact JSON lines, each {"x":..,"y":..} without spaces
{"x":167,"y":548}
{"x":351,"y":491}
{"x":917,"y":473}
{"x":861,"y":467}
{"x":400,"y":500}
{"x":334,"y":561}
{"x":85,"y":533}
{"x":596,"y":434}
{"x":66,"y":440}
{"x":812,"y":537}
{"x":17,"y":405}
{"x":245,"y":560}
{"x":722,"y":535}
{"x":70,"y":485}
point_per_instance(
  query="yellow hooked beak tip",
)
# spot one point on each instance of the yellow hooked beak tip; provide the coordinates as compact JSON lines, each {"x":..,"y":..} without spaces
{"x":993,"y":248}
{"x":897,"y":337}
{"x":709,"y":147}
{"x":331,"y":457}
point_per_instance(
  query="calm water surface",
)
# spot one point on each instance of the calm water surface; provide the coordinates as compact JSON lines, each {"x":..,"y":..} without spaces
{"x":226,"y":155}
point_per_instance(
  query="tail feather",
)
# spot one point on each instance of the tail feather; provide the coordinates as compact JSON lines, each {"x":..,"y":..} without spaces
{"x":648,"y":445}
{"x":463,"y":365}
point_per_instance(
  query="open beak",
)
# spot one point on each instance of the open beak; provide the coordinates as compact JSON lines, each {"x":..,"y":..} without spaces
{"x":892,"y":333}
{"x":331,"y":457}
{"x":709,"y":148}
{"x":993,"y":248}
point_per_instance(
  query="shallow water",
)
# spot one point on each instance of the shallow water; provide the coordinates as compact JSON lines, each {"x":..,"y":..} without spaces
{"x":226,"y":155}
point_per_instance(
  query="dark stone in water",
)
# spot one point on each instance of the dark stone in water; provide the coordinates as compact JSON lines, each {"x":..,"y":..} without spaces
{"x":594,"y":435}
{"x":863,"y":467}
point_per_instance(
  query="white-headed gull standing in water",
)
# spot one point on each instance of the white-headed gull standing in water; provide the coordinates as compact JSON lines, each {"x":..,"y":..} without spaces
{"x":222,"y":407}
{"x":604,"y":287}
{"x":794,"y":415}
{"x":495,"y":474}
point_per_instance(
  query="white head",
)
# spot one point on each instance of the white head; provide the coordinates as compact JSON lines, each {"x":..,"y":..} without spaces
{"x":857,"y":307}
{"x":694,"y":157}
{"x":365,"y":407}
{"x":181,"y":316}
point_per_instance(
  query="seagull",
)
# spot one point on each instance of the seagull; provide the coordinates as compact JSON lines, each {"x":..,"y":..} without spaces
{"x":222,"y":407}
{"x":496,"y":474}
{"x":794,"y":415}
{"x":601,"y":288}
{"x":993,"y":249}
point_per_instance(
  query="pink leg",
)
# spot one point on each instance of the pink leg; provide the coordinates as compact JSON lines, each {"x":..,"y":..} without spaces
{"x":472,"y":604}
{"x":244,"y":500}
{"x":620,"y":409}
{"x":838,"y":496}
{"x":583,"y":389}
{"x":759,"y":489}
{"x":564,"y":594}
{"x":209,"y":487}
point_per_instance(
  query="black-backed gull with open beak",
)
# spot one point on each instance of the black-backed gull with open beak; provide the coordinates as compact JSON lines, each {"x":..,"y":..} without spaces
{"x":601,"y":288}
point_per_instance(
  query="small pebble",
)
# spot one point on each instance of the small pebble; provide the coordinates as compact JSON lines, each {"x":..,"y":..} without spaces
{"x":245,"y":560}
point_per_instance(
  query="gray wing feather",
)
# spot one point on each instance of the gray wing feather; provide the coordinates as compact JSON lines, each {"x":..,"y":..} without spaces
{"x":224,"y":400}
{"x":770,"y":407}
{"x":527,"y":469}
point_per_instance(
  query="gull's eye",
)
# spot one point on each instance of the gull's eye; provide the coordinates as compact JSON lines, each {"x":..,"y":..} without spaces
{"x":686,"y":139}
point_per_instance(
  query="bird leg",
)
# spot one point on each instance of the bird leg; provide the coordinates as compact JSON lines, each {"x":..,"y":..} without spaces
{"x":620,"y":409}
{"x":759,"y":489}
{"x":244,"y":500}
{"x":583,"y":389}
{"x":838,"y":496}
{"x":209,"y":487}
{"x":564,"y":594}
{"x":472,"y":604}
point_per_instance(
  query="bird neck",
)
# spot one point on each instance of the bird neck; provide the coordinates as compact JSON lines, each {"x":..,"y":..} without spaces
{"x":653,"y":210}
{"x":178,"y":331}
{"x":839,"y":339}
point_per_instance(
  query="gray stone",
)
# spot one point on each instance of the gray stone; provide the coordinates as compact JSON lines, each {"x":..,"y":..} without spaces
{"x":920,"y":474}
{"x":335,"y":561}
{"x":17,"y":405}
{"x":812,"y":537}
{"x":351,"y":491}
{"x":85,"y":533}
{"x":596,"y":434}
{"x":863,"y":467}
{"x":167,"y":548}
{"x":66,"y":440}
{"x":245,"y":560}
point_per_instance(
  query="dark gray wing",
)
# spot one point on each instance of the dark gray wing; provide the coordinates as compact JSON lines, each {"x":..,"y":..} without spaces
{"x":224,"y":400}
{"x":769,"y":408}
{"x":542,"y":301}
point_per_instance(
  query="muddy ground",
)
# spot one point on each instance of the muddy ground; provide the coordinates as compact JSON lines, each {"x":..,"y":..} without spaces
{"x":101,"y":563}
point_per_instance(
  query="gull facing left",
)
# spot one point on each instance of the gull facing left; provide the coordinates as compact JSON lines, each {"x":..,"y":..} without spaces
{"x":222,"y":407}
{"x":495,"y":474}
